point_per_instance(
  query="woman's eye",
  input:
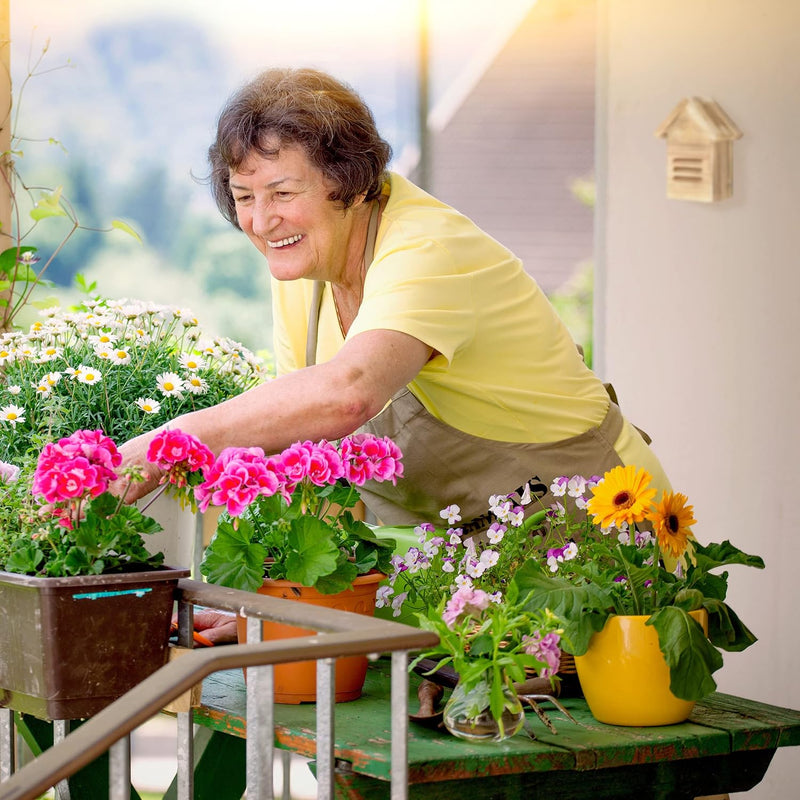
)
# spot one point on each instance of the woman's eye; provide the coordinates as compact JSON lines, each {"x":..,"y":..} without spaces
{"x":283,"y":195}
{"x":241,"y":199}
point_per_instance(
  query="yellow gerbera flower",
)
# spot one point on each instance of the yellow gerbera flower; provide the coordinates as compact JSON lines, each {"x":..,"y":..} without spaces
{"x":671,"y":520}
{"x":622,"y":496}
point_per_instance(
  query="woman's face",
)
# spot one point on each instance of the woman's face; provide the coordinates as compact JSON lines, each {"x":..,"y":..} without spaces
{"x":282,"y":205}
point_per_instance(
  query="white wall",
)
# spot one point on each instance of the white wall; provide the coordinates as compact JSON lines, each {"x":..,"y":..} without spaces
{"x":699,"y":304}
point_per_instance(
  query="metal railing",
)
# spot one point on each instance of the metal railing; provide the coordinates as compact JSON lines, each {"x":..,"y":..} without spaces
{"x":340,"y":633}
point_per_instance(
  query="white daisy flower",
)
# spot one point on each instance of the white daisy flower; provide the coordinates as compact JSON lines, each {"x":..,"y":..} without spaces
{"x":49,"y":353}
{"x":6,"y":355}
{"x":194,"y":384}
{"x":12,"y":414}
{"x":148,"y":405}
{"x":15,"y":390}
{"x":120,"y":355}
{"x":191,"y":362}
{"x":170,"y":384}
{"x":88,"y":375}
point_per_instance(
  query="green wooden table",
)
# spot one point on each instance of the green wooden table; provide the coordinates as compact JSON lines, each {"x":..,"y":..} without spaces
{"x":726,"y":746}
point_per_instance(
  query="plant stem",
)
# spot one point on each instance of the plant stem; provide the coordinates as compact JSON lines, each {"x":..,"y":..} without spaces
{"x":637,"y":605}
{"x":161,"y":489}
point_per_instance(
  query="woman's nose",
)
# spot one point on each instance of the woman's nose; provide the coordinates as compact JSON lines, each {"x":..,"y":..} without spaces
{"x":264,"y":219}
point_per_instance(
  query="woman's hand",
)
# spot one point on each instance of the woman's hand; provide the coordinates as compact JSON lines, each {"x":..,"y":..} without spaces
{"x":215,"y":627}
{"x":134,"y":456}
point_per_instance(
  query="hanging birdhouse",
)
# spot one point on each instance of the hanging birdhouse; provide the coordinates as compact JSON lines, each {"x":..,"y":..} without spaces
{"x":700,"y":139}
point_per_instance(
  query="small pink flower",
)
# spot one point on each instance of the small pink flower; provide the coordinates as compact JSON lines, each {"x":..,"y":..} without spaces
{"x":367,"y":457}
{"x":324,"y":464}
{"x":294,"y":463}
{"x":9,"y":473}
{"x":76,"y":466}
{"x":547,"y":649}
{"x":178,"y":454}
{"x":236,"y":478}
{"x":467,"y":601}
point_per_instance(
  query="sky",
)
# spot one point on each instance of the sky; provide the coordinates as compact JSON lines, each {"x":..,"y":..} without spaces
{"x":292,"y":32}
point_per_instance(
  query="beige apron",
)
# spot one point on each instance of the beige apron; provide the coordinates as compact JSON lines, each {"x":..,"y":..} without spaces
{"x":443,"y":465}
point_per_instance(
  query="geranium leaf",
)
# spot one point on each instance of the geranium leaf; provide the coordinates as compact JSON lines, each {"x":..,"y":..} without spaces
{"x":339,"y":580}
{"x":312,"y":551}
{"x":231,"y":559}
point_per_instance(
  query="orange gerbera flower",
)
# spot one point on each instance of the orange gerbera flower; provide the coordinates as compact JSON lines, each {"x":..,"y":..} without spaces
{"x":671,"y":520}
{"x":622,"y":496}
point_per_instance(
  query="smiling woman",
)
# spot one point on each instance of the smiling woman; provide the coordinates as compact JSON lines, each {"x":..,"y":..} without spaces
{"x":396,"y":316}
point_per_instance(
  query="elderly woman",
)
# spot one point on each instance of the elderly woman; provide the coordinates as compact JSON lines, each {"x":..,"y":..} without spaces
{"x":394,"y":313}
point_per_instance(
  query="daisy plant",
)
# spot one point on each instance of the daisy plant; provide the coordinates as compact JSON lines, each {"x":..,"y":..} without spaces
{"x":121,"y":366}
{"x":608,"y":547}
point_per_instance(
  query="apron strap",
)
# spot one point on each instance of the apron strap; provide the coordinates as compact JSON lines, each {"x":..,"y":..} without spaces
{"x":319,"y":287}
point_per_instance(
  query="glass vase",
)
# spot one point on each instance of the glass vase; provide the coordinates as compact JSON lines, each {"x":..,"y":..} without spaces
{"x":467,"y":714}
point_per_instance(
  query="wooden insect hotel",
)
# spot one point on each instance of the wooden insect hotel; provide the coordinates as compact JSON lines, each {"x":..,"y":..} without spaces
{"x":700,"y":139}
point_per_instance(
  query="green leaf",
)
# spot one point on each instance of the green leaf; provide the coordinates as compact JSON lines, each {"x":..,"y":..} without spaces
{"x":49,"y":205}
{"x":24,"y":558}
{"x":339,"y":580}
{"x":583,"y":608}
{"x":10,"y":257}
{"x":722,"y":554}
{"x":231,"y":559}
{"x":119,"y":225}
{"x":312,"y":551}
{"x":725,"y":629}
{"x":689,"y":654}
{"x":78,"y":562}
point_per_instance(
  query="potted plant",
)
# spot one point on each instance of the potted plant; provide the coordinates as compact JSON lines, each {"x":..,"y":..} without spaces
{"x":493,"y":643}
{"x":288,"y":530}
{"x":604,"y":572}
{"x":87,"y":608}
{"x":123,"y":366}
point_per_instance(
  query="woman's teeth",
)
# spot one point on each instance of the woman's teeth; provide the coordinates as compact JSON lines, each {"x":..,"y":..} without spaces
{"x":283,"y":242}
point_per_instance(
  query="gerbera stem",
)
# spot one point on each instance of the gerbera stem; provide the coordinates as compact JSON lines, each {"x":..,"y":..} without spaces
{"x":637,"y":605}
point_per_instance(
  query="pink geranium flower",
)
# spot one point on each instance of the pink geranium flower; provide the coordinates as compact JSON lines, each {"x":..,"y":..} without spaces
{"x":77,"y":466}
{"x":178,"y":454}
{"x":367,"y":457}
{"x":237,"y":478}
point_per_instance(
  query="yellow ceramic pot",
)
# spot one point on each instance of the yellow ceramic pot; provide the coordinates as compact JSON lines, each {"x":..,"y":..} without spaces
{"x":624,"y":677}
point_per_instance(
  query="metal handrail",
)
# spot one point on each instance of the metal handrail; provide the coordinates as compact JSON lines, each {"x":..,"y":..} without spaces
{"x":342,"y":634}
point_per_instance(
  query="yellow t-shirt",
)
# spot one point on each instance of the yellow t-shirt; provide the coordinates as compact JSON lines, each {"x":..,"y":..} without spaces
{"x":507,"y":367}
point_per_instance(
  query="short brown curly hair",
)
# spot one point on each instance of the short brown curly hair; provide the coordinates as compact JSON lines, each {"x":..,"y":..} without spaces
{"x":304,"y":107}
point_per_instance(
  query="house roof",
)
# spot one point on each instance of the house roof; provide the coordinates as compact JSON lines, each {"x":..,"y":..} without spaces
{"x":695,"y":118}
{"x":507,"y":154}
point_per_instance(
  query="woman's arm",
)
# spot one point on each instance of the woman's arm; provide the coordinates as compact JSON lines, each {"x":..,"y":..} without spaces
{"x":327,"y":400}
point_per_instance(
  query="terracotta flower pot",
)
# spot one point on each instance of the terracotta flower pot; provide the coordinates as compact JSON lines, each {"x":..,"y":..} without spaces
{"x":625,"y":678}
{"x":297,"y":682}
{"x":71,"y":646}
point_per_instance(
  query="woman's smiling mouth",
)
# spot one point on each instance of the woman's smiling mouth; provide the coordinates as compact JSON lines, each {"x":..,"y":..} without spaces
{"x":284,"y":242}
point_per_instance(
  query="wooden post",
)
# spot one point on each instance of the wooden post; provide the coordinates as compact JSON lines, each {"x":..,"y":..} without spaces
{"x":5,"y":128}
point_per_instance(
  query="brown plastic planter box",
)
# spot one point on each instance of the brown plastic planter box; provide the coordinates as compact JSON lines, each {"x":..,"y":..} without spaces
{"x":71,"y":646}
